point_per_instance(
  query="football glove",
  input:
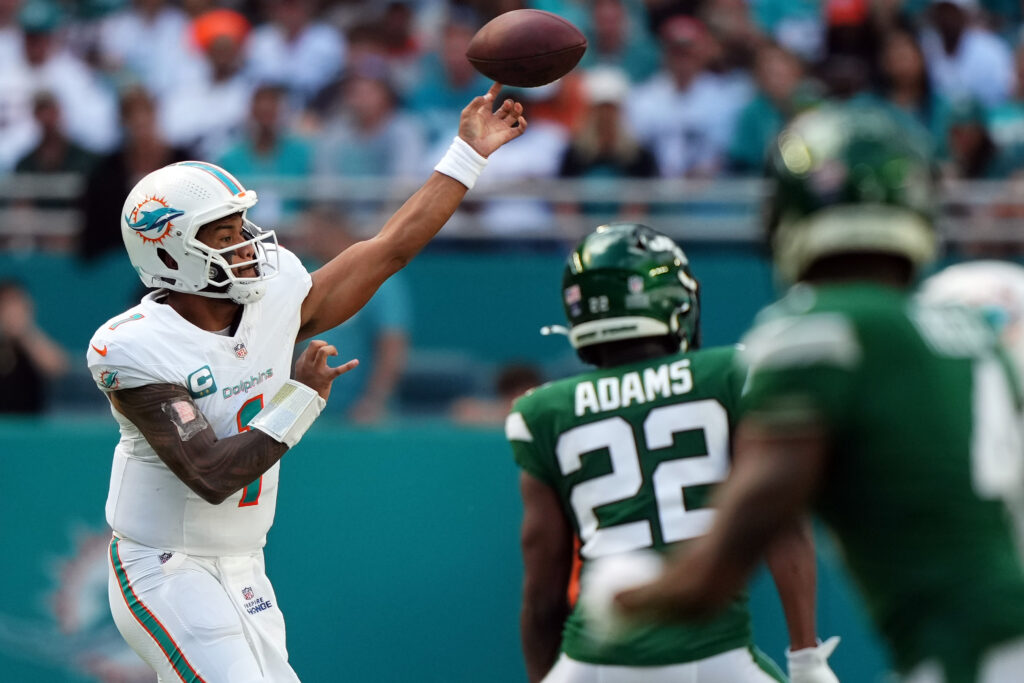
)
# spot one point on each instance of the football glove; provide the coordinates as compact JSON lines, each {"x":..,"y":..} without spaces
{"x":810,"y":665}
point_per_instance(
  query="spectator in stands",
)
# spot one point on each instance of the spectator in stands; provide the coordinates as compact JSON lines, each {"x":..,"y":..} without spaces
{"x":512,"y":381}
{"x":971,"y":150}
{"x":55,"y":153}
{"x":964,"y":59}
{"x":732,"y":40}
{"x":603,"y":150}
{"x":370,"y":136}
{"x":90,"y":117}
{"x":906,"y":86}
{"x":29,"y":358}
{"x":683,"y":113}
{"x":1006,"y":124}
{"x":143,"y":149}
{"x":614,"y":40}
{"x":796,"y":25}
{"x":781,"y":93}
{"x":378,"y":335}
{"x":268,"y":150}
{"x":10,"y":32}
{"x":148,"y":43}
{"x":536,"y":157}
{"x":447,"y":80}
{"x":193,"y":8}
{"x":398,"y":35}
{"x":297,"y":49}
{"x":207,"y":112}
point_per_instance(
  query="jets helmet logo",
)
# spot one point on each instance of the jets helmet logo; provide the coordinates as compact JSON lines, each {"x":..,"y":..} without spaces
{"x":151,"y":219}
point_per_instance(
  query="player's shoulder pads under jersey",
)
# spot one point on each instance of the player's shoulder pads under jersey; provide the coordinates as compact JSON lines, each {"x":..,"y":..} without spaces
{"x":792,"y":334}
{"x":293,"y":281}
{"x":526,"y":408}
{"x":117,"y":356}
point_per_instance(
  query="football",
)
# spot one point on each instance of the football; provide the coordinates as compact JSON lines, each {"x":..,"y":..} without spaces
{"x":526,"y":48}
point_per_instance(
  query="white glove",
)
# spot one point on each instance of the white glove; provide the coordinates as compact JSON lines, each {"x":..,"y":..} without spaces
{"x":605,"y":577}
{"x":810,"y":665}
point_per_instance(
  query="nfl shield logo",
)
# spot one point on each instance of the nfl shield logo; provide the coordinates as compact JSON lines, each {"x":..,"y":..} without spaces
{"x":635,"y":284}
{"x":247,"y":593}
{"x":240,"y":350}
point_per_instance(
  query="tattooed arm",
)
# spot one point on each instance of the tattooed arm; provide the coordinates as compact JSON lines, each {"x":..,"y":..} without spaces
{"x":172,"y":424}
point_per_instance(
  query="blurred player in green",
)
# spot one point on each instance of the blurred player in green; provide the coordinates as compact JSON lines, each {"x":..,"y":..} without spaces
{"x":897,"y":419}
{"x":624,"y":458}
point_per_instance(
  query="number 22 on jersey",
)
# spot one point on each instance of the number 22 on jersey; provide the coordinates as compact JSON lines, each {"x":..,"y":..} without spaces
{"x":251,"y":493}
{"x":625,"y":481}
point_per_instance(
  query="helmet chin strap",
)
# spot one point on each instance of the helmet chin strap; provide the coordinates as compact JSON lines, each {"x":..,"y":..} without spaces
{"x":239,"y":292}
{"x":248,"y":293}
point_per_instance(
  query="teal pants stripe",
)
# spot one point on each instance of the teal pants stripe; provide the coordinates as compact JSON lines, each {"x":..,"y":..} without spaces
{"x":768,"y":665}
{"x":151,"y":624}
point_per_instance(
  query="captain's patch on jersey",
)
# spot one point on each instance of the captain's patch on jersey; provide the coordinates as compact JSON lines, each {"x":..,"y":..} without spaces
{"x":201,"y":382}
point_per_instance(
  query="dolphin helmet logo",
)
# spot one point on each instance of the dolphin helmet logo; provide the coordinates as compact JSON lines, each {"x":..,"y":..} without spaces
{"x":152,"y":219}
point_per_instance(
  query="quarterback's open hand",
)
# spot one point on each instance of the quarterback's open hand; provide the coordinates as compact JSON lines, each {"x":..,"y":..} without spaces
{"x":312,"y":369}
{"x":486,"y":131}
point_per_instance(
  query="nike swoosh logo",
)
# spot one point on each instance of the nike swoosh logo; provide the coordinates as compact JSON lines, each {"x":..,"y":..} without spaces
{"x":102,"y":351}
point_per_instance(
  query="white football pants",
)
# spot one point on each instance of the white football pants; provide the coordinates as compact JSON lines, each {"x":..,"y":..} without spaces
{"x":198,"y":619}
{"x":734,"y":666}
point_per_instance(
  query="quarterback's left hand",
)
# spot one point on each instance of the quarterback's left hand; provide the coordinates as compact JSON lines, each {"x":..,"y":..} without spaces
{"x":810,"y":665}
{"x":486,"y":131}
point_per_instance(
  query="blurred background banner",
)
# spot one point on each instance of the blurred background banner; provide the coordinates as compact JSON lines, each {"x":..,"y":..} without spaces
{"x":395,"y":557}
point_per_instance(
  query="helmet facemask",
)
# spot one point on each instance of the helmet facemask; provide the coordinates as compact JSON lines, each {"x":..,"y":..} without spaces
{"x":221,"y":280}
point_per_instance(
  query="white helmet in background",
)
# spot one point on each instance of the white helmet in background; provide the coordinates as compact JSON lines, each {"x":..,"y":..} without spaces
{"x":996,"y":288}
{"x":161,"y":217}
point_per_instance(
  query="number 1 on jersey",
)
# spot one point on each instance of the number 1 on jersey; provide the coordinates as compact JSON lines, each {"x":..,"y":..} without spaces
{"x":251,"y":493}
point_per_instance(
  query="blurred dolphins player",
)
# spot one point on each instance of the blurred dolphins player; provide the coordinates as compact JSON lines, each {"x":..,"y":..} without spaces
{"x":896,"y":419}
{"x":198,"y":380}
{"x":996,"y":288}
{"x":623,"y":458}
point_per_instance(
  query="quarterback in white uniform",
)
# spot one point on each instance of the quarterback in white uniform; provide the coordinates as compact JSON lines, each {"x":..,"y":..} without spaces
{"x":199,"y":380}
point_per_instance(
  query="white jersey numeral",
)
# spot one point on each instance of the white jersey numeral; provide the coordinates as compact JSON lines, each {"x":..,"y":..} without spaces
{"x":670,"y":477}
{"x":997,"y":443}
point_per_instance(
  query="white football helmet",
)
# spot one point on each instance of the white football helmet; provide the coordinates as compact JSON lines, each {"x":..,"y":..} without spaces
{"x":161,"y":217}
{"x":996,"y":288}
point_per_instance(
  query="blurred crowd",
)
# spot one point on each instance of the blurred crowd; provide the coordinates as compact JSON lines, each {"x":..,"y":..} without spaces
{"x":300,"y":89}
{"x":294,"y":95}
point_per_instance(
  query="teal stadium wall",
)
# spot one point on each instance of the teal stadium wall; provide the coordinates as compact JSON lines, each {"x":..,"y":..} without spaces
{"x":394,"y":555}
{"x":488,"y":304}
{"x":395,"y":550}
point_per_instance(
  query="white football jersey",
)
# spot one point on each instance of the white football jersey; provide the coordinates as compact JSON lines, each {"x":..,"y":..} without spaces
{"x":230,"y":379}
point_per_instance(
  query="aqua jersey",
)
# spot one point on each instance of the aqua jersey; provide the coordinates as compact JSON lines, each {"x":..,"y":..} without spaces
{"x":634,"y":452}
{"x":922,"y":417}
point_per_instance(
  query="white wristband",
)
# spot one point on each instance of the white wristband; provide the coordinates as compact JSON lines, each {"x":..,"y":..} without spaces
{"x":462,"y":162}
{"x":290,"y":413}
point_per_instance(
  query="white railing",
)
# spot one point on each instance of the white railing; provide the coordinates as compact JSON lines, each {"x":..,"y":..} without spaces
{"x":727,"y":210}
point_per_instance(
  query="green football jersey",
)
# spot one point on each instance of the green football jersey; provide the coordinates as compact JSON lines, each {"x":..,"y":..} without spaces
{"x":634,"y":452}
{"x":922,"y":413}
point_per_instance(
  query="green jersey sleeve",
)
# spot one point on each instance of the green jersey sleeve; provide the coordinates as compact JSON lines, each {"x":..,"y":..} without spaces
{"x":524,"y":447}
{"x":800,"y":368}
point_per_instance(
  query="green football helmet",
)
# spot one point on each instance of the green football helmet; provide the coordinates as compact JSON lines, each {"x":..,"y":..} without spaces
{"x":626,"y":281}
{"x":850,"y":178}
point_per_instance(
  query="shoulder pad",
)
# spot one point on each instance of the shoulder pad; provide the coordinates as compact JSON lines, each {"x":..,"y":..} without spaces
{"x":813,"y":339}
